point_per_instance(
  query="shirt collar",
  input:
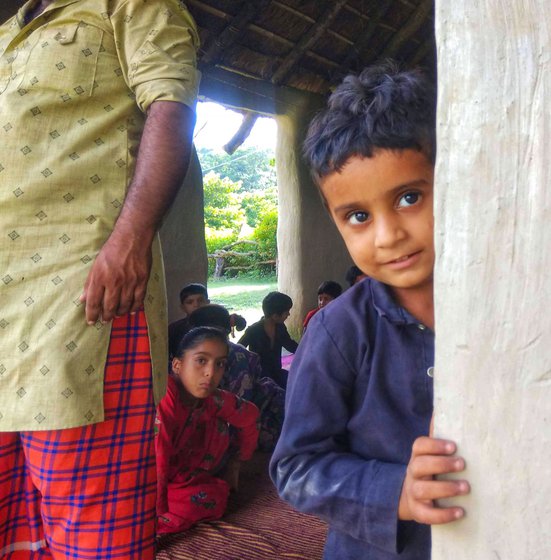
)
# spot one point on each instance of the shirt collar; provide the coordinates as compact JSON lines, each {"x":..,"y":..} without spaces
{"x":386,"y":305}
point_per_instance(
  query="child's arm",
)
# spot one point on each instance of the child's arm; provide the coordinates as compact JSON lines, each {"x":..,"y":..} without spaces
{"x":244,"y":340}
{"x":287,"y":342}
{"x":431,"y":457}
{"x":242,"y":415}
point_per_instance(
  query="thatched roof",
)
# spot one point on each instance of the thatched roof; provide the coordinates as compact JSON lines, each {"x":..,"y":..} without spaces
{"x":310,"y":44}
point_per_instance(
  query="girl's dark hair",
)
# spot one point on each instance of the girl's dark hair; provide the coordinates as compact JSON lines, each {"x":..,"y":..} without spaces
{"x":197,"y":335}
{"x":382,"y":107}
{"x":211,"y":315}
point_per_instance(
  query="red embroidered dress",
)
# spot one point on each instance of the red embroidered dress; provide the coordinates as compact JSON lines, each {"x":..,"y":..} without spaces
{"x":191,"y":443}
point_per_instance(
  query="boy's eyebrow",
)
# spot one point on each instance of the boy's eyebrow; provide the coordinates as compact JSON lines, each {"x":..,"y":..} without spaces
{"x":391,"y":191}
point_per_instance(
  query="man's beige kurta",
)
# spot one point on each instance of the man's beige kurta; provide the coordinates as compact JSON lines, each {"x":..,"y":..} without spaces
{"x":74,"y":86}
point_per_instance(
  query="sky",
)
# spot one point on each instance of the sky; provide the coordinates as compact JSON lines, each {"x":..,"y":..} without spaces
{"x":216,"y":125}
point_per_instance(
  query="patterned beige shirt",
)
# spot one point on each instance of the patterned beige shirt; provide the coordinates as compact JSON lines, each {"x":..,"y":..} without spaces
{"x":74,"y":85}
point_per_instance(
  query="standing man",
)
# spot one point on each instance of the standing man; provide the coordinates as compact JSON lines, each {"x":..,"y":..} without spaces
{"x":96,"y":121}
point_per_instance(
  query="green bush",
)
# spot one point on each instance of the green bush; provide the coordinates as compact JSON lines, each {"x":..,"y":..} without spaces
{"x":265,"y":235}
{"x":216,"y":239}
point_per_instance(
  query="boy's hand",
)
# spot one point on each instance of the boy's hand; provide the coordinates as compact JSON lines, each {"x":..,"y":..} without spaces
{"x":431,"y":457}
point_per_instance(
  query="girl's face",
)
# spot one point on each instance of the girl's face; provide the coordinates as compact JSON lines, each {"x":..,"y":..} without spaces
{"x":201,"y":367}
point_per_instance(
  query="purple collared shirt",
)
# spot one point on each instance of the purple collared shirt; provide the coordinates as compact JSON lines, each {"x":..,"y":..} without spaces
{"x":360,"y":392}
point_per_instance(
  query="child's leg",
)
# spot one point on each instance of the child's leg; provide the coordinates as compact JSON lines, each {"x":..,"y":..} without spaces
{"x":98,"y":482}
{"x":21,"y":530}
{"x":203,"y":498}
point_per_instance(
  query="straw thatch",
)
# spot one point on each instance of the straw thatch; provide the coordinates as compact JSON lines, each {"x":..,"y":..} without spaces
{"x":310,"y":44}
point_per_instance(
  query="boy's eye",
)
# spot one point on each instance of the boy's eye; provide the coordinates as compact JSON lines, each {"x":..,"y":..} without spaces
{"x":201,"y":361}
{"x":358,"y":218}
{"x":221,"y":364}
{"x":409,"y":199}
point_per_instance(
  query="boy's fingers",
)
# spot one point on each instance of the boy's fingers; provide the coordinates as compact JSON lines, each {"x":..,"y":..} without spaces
{"x":430,"y":515}
{"x":433,"y":446}
{"x":429,"y":490}
{"x":426,"y":466}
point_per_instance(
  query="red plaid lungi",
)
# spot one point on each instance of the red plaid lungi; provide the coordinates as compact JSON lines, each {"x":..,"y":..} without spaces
{"x":88,"y":492}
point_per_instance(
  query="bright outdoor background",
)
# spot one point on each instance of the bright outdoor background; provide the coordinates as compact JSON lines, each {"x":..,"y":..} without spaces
{"x":240,"y":209}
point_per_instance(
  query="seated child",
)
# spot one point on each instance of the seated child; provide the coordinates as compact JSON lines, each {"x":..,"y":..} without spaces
{"x":194,"y":471}
{"x":243,"y":377}
{"x":269,"y":335}
{"x":354,"y":275}
{"x":192,"y":296}
{"x":355,"y":446}
{"x":328,"y":291}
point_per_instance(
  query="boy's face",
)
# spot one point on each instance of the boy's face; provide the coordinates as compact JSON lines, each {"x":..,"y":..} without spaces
{"x":383,"y":208}
{"x":324,"y":299}
{"x":280,"y":318}
{"x":193,"y":302}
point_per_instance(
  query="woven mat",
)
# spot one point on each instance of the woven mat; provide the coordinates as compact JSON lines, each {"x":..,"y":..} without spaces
{"x":257,"y":526}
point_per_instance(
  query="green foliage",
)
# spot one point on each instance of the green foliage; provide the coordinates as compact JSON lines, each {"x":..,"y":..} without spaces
{"x":266,"y":236}
{"x":253,"y":167}
{"x":257,"y":204}
{"x":217,"y":239}
{"x":241,"y":189}
{"x":222,"y":203}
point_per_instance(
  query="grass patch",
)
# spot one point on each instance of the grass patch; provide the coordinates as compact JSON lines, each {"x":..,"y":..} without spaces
{"x":242,"y":295}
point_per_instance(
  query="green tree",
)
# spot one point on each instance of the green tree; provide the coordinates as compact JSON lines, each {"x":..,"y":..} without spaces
{"x":265,"y":235}
{"x":255,"y":168}
{"x":258,"y":203}
{"x":222,"y":203}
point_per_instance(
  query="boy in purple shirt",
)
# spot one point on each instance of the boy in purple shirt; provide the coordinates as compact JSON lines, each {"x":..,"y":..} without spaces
{"x":355,"y":448}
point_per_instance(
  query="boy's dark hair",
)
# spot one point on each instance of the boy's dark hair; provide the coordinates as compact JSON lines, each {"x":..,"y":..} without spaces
{"x":382,"y":107}
{"x":352,"y":273}
{"x":331,"y":288}
{"x":211,"y":315}
{"x":192,"y":289}
{"x":276,"y":303}
{"x":198,"y":335}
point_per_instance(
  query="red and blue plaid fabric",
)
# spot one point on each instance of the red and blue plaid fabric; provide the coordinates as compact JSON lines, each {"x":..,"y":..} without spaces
{"x":90,"y":492}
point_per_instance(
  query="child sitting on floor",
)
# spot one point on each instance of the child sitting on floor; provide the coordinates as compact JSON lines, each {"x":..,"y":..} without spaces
{"x":269,"y":335}
{"x":244,"y":377}
{"x":194,"y":470}
{"x":327,"y":292}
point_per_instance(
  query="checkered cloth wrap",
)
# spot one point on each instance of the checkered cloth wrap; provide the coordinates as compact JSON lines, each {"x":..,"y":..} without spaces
{"x":89,"y":492}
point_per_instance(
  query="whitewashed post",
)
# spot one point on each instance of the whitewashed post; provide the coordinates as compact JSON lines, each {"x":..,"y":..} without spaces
{"x":493,"y":273}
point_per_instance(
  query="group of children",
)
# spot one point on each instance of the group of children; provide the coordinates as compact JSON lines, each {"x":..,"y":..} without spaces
{"x":355,"y":448}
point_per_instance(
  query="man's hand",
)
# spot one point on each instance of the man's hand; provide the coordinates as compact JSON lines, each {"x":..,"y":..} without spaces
{"x":117,"y":281}
{"x":431,"y":457}
{"x":118,"y":278}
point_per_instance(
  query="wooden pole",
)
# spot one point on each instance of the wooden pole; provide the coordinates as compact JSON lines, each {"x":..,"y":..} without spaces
{"x":493,"y":292}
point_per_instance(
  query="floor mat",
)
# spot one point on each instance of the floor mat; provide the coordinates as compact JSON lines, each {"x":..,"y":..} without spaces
{"x":257,"y":526}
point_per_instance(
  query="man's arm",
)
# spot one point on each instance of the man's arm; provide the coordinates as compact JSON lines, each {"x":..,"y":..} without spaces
{"x":117,"y":281}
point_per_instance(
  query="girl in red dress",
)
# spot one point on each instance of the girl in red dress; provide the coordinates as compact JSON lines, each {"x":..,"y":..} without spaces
{"x":195,"y":466}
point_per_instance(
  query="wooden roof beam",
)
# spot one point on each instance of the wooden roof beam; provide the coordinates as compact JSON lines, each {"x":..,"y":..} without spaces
{"x":356,"y":51}
{"x":308,"y":41}
{"x":249,"y":120}
{"x":408,"y":29}
{"x":234,"y":29}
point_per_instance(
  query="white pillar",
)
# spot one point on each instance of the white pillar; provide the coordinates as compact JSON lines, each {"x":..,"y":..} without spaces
{"x":493,"y":287}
